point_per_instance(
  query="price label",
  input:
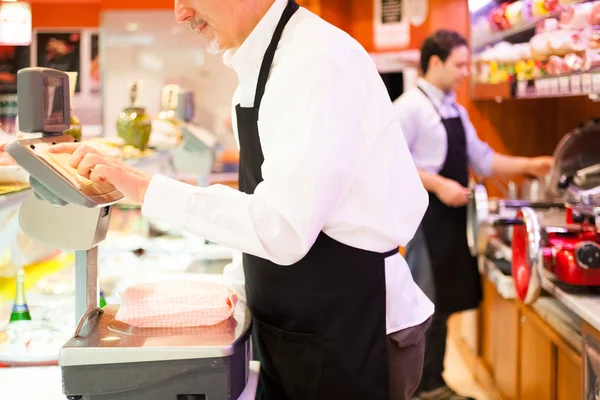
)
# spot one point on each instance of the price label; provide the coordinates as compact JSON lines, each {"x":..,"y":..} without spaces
{"x":541,"y":87}
{"x":564,"y":84}
{"x":537,"y":84}
{"x":596,"y":83}
{"x":521,"y":88}
{"x":553,"y":86}
{"x":545,"y":87}
{"x":586,"y":83}
{"x":575,"y":83}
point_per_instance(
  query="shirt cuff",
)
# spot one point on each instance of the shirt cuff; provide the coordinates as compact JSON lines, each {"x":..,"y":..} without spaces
{"x":168,"y":200}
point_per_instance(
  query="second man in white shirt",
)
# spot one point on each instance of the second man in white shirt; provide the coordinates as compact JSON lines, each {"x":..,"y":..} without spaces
{"x":444,"y":146}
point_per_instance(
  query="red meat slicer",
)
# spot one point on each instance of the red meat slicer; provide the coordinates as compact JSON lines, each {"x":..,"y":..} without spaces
{"x":569,"y":250}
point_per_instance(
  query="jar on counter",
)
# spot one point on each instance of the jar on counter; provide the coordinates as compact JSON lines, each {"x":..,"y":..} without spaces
{"x":134,"y":127}
{"x":75,"y":129}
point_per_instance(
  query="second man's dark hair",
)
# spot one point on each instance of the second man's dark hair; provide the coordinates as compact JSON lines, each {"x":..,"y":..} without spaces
{"x":440,"y":43}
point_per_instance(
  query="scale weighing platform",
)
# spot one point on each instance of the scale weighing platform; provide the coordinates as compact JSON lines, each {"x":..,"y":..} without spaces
{"x":107,"y":359}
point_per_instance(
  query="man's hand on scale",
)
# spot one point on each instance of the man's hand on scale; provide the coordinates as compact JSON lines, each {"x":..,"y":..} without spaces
{"x":98,"y":167}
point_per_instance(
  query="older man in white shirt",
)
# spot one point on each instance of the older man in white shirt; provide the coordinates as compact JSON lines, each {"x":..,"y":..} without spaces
{"x":328,"y":191}
{"x":444,"y":144}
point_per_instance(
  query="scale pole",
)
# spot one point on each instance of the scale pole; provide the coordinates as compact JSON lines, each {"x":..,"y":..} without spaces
{"x":86,"y":281}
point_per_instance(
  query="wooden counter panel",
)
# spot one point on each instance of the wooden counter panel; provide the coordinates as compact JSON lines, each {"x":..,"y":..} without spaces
{"x":536,"y":371}
{"x":569,"y":377}
{"x":507,"y":356}
{"x":488,"y":325}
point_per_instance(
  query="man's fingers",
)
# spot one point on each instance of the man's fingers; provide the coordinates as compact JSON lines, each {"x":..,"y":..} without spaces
{"x":110,"y":174}
{"x":79,"y":153}
{"x":88,"y":162}
{"x":63,"y":148}
{"x":103,"y":173}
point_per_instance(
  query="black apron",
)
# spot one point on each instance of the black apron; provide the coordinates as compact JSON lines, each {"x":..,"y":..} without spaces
{"x":320,"y":324}
{"x":457,"y":284}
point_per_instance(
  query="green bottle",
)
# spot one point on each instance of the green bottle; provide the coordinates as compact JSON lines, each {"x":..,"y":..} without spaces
{"x":20,"y":310}
{"x":102,"y":300}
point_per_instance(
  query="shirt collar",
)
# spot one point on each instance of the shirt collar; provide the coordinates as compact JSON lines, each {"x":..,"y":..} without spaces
{"x":249,"y":55}
{"x":436,"y":95}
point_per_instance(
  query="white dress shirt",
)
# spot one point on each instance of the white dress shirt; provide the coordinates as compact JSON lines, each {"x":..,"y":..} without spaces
{"x":425,"y":134}
{"x":335,"y":161}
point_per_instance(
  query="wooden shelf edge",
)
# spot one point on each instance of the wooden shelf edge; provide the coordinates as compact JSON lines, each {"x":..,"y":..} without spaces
{"x":492,"y":91}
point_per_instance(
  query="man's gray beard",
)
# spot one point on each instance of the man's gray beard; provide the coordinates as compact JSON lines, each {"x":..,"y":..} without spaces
{"x":214,"y":47}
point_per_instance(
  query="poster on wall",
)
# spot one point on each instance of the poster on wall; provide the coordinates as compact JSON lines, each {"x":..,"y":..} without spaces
{"x":392,"y":24}
{"x":95,"y":65}
{"x":418,"y":11}
{"x":61,"y":51}
{"x":15,"y":23}
{"x":12,"y":59}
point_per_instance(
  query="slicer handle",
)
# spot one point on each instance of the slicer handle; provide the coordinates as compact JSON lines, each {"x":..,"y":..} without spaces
{"x":507,"y":221}
{"x":564,"y":181}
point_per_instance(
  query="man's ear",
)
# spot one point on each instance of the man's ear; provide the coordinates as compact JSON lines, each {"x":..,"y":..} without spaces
{"x":435,"y":61}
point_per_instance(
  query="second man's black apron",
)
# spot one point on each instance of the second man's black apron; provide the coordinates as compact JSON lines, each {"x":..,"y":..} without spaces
{"x":319,"y":324}
{"x":455,"y":271}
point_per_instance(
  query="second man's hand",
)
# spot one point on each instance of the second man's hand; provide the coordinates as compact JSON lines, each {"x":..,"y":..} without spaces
{"x":452,"y":193}
{"x":539,"y":166}
{"x":99,"y":167}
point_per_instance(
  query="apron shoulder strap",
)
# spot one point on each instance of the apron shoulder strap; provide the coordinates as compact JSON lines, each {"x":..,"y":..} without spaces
{"x":435,"y":108}
{"x":265,"y":67}
{"x":431,"y":101}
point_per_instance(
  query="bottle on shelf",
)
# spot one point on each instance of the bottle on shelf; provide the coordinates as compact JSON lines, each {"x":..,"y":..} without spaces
{"x":20,"y":310}
{"x":102,"y":300}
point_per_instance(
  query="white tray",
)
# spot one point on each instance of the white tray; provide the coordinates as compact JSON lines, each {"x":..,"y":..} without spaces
{"x":13,"y":174}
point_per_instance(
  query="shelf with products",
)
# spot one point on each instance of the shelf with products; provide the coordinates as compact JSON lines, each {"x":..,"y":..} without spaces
{"x":566,"y":85}
{"x":555,"y":55}
{"x":494,"y":21}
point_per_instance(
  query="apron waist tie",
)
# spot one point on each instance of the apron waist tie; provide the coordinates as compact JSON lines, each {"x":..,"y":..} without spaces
{"x":391,"y":253}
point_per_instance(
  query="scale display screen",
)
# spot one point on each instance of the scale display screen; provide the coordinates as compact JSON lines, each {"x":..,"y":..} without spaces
{"x":44,"y":105}
{"x":43,"y":100}
{"x":54,"y":90}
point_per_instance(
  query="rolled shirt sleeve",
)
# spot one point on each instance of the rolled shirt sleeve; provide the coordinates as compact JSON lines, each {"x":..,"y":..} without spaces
{"x":480,"y":154}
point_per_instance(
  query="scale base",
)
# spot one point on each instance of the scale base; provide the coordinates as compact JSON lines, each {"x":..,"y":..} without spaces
{"x":110,"y":360}
{"x":204,"y":379}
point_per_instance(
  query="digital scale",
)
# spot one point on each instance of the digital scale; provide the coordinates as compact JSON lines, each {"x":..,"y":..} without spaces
{"x":196,"y":154}
{"x":107,"y":359}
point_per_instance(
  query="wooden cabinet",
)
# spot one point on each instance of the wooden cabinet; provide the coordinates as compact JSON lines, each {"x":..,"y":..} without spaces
{"x":500,"y":340}
{"x":507,"y":353}
{"x":535,"y":359}
{"x":488,"y":325}
{"x":569,"y":375}
{"x":522,"y":355}
{"x":505,"y":373}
